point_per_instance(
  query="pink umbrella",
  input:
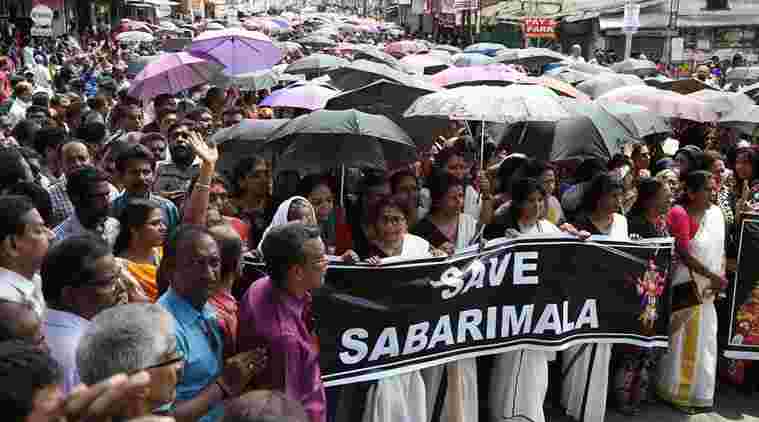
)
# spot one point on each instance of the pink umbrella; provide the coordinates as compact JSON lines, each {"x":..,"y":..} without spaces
{"x":664,"y":103}
{"x":405,"y":47}
{"x":240,"y":51}
{"x":560,"y":87}
{"x":497,"y":74}
{"x":171,"y":73}
{"x":309,"y":96}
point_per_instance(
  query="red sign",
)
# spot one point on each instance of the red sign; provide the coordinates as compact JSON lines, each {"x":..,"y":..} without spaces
{"x":539,"y":28}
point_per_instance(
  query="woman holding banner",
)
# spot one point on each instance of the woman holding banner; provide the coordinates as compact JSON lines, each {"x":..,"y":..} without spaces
{"x":449,"y":229}
{"x":585,"y":368}
{"x":520,"y":378}
{"x":687,"y":373}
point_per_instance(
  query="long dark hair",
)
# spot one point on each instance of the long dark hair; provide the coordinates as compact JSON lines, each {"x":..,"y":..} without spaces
{"x":602,"y":184}
{"x":439,"y":185}
{"x":134,"y":215}
{"x":694,"y":181}
{"x":648,"y":187}
{"x":521,"y":189}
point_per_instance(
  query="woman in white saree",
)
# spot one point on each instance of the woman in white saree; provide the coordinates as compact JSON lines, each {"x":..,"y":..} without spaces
{"x":397,"y":398}
{"x":687,"y":373}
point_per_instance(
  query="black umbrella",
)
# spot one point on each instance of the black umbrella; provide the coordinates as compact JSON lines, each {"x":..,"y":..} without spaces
{"x":390,"y":99}
{"x":567,"y":139}
{"x":531,"y":57}
{"x":363,"y":72}
{"x":316,"y":41}
{"x":242,"y":140}
{"x":328,"y":139}
{"x":374,"y":55}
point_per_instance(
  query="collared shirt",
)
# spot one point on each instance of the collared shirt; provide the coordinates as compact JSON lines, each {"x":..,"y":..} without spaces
{"x":108,"y":230}
{"x":16,"y":288}
{"x":273,"y":318}
{"x":168,"y":209}
{"x":171,"y":178}
{"x":62,"y":206}
{"x":62,"y":333}
{"x":199,"y":339}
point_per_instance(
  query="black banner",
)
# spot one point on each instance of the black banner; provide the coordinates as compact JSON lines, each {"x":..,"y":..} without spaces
{"x":545,"y":293}
{"x":743,"y":340}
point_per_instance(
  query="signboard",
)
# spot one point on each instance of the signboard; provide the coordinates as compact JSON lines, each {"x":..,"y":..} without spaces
{"x":539,"y":28}
{"x":743,"y":340}
{"x":42,"y":17}
{"x":678,"y":49}
{"x":631,"y":21}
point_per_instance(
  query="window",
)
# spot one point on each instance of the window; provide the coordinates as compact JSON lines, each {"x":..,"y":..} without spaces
{"x":716,"y":5}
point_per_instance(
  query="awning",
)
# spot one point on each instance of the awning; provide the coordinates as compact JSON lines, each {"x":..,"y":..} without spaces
{"x":717,"y":19}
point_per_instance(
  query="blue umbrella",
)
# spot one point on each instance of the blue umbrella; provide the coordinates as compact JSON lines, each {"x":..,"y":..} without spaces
{"x":471,"y":59}
{"x":487,"y":48}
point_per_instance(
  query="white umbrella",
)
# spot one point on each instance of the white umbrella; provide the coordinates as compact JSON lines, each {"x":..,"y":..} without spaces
{"x":135,"y":36}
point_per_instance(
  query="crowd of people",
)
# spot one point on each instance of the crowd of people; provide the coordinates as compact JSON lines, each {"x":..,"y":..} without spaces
{"x":123,"y":293}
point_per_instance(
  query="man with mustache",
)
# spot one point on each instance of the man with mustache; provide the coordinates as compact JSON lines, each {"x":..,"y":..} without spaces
{"x":173,"y":179}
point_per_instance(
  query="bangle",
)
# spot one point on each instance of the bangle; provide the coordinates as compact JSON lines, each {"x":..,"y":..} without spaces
{"x":202,"y":186}
{"x":224,"y":393}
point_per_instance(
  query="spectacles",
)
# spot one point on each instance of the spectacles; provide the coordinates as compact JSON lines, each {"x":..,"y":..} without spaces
{"x":177,"y":359}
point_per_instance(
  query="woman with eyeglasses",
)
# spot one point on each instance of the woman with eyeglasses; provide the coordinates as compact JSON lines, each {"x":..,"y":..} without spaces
{"x":687,"y":373}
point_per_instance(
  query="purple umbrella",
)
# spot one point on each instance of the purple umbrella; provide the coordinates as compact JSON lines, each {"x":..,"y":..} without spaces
{"x":171,"y":73}
{"x":310,"y":97}
{"x":240,"y":51}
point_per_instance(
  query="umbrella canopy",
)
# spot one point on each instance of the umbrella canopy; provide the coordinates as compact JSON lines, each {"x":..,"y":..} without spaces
{"x":364,"y":72}
{"x":530,"y":56}
{"x":486,"y":48}
{"x":683,"y":86}
{"x":664,"y":103}
{"x":135,"y":65}
{"x":309,"y":97}
{"x":604,"y":83}
{"x":449,"y":48}
{"x":572,"y":138}
{"x":743,"y":75}
{"x":378,"y":56}
{"x":214,"y":26}
{"x":496,"y":74}
{"x":253,"y":81}
{"x":635,"y":67}
{"x":405,"y":47}
{"x":289,"y":47}
{"x":316,"y":41}
{"x":390,"y":99}
{"x":135,"y":36}
{"x":497,"y":104}
{"x":328,"y":139}
{"x":240,"y":51}
{"x":172,"y":73}
{"x":242,"y":140}
{"x":424,"y":63}
{"x":316,"y":63}
{"x":471,"y":59}
{"x":568,"y":75}
{"x":584,"y":67}
{"x":561,"y":88}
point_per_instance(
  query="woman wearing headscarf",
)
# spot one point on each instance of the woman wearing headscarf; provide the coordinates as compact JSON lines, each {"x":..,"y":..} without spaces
{"x":297,"y":208}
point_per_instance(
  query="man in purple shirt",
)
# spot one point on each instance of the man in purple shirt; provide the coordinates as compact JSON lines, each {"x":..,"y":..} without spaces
{"x":275,"y":313}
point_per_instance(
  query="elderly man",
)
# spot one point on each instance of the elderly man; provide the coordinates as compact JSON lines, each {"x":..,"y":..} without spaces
{"x":24,"y":240}
{"x":138,"y":336}
{"x":275,"y":312}
{"x":194,"y":273}
{"x":91,"y":285}
{"x":74,"y":155}
{"x":90,"y":192}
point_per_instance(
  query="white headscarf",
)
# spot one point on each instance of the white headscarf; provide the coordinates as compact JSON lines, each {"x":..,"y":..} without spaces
{"x":280,"y":217}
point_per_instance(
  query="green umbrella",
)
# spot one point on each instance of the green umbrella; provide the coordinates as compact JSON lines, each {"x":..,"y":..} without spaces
{"x":316,"y":63}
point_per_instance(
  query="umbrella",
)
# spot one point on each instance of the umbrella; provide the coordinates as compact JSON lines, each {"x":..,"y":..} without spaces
{"x":424,"y":63}
{"x":289,"y":47}
{"x":684,"y":86}
{"x":135,"y":66}
{"x":637,"y":120}
{"x":240,"y":51}
{"x":603,"y":83}
{"x":135,"y":36}
{"x":570,"y":76}
{"x":329,"y":139}
{"x":486,"y":48}
{"x":743,"y":74}
{"x":378,"y":56}
{"x":242,"y":140}
{"x":214,"y":26}
{"x":316,"y":41}
{"x":561,"y":88}
{"x":496,"y":74}
{"x":441,"y":54}
{"x":497,"y":104}
{"x":471,"y":59}
{"x":635,"y":67}
{"x":405,"y":47}
{"x":449,"y":48}
{"x":253,"y":81}
{"x":530,"y":56}
{"x":167,"y":25}
{"x":364,"y":72}
{"x":571,"y":138}
{"x":585,"y":67}
{"x":664,"y":103}
{"x":316,"y":63}
{"x":309,"y":97}
{"x":390,"y":99}
{"x":172,"y":73}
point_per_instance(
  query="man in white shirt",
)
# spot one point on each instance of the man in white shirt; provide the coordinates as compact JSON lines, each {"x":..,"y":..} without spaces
{"x":24,"y":241}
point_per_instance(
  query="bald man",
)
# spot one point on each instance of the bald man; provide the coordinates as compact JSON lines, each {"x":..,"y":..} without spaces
{"x":225,"y":304}
{"x":74,"y":155}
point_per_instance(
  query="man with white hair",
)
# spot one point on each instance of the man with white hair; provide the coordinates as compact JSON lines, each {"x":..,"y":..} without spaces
{"x":575,"y":54}
{"x":138,"y":336}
